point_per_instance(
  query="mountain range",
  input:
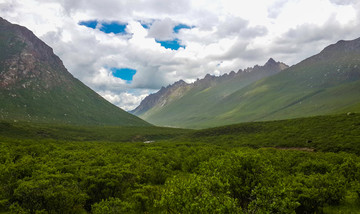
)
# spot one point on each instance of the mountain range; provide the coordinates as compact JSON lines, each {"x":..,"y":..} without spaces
{"x":35,"y":86}
{"x":326,"y":83}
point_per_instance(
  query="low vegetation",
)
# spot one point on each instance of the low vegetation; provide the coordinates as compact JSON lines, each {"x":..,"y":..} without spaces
{"x":244,"y":168}
{"x":332,"y":133}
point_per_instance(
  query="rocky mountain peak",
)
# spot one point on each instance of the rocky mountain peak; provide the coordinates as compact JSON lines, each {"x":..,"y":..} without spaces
{"x":271,"y":61}
{"x":28,"y":60}
{"x":33,"y":45}
{"x":179,"y":83}
{"x":271,"y":64}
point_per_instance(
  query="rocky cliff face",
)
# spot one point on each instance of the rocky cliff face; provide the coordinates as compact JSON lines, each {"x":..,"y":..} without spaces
{"x":177,"y":90}
{"x":35,"y":85}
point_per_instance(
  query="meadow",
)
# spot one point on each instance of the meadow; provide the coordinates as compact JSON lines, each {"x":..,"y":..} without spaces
{"x":306,"y":165}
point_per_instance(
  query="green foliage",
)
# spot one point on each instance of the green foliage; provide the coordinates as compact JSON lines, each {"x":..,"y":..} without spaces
{"x":53,"y":193}
{"x":316,"y":190}
{"x":167,"y":177}
{"x":197,"y":194}
{"x":112,"y":206}
{"x":56,"y":169}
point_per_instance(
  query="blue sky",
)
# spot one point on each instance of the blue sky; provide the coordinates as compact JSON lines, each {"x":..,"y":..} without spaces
{"x":106,"y":27}
{"x":120,"y":28}
{"x":178,"y":27}
{"x":171,"y":44}
{"x":124,"y":73}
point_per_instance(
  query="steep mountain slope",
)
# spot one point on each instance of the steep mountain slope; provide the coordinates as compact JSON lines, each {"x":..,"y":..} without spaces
{"x":187,"y":105}
{"x":35,"y":86}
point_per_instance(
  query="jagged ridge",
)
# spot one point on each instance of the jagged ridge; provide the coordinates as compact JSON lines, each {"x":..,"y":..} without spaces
{"x":175,"y":91}
{"x":203,"y":93}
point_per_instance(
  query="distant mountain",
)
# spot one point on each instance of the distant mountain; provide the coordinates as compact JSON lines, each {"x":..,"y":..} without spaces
{"x":326,"y":83}
{"x":183,"y":104}
{"x":162,"y":97}
{"x":35,"y":86}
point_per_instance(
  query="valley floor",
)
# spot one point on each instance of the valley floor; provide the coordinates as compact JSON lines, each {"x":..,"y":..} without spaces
{"x":307,"y":165}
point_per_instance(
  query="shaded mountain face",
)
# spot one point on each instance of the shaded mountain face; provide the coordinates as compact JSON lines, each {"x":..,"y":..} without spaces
{"x":182,"y":101}
{"x":326,"y":83}
{"x":35,"y":85}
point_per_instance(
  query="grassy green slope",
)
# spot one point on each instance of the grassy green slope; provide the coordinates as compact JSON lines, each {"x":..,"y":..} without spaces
{"x":318,"y":85}
{"x":80,"y":105}
{"x":330,"y":133}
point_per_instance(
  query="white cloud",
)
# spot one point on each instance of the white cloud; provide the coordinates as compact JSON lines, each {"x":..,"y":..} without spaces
{"x":227,"y":35}
{"x":162,"y":29}
{"x":125,"y":100}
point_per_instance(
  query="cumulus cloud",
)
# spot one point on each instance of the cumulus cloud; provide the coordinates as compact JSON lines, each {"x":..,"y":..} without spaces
{"x":162,"y":29}
{"x":225,"y":35}
{"x":236,"y":26}
{"x":308,"y":39}
{"x":343,"y":2}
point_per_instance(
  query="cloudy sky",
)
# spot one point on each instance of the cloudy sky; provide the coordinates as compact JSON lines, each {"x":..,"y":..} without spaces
{"x":126,"y":49}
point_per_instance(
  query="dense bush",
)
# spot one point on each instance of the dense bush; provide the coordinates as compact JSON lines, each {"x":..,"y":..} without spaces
{"x":45,"y":176}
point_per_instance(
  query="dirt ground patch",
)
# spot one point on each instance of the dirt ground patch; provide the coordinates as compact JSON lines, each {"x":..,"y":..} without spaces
{"x":296,"y":148}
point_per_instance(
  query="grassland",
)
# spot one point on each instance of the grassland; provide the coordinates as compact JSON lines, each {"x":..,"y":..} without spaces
{"x":67,"y":132}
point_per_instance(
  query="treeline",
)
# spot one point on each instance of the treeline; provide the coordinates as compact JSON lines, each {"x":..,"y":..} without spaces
{"x":47,"y":176}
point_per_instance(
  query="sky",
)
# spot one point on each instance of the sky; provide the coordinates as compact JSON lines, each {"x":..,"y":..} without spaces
{"x":127,"y":49}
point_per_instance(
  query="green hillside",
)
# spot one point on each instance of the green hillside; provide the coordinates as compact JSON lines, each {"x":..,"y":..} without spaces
{"x":323,"y":84}
{"x":35,"y":86}
{"x":198,"y":102}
